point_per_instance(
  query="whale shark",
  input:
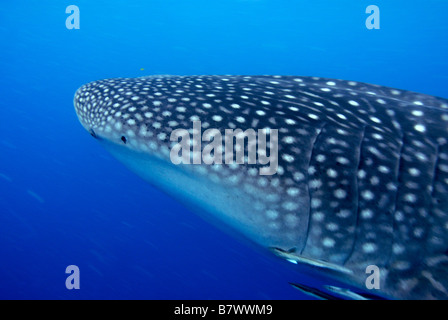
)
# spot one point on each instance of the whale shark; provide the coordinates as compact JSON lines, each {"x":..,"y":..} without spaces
{"x":359,"y":177}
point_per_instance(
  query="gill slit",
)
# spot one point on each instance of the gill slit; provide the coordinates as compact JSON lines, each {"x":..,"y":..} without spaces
{"x":313,"y":145}
{"x":355,"y":237}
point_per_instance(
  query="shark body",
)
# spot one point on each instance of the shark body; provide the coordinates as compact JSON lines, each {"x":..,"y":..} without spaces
{"x":362,"y":176}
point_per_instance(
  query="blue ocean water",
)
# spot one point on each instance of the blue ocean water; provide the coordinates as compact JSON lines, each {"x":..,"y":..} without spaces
{"x":65,"y":201}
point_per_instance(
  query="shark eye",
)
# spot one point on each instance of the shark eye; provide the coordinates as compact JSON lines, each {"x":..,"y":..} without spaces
{"x":123,"y":138}
{"x":92,"y":133}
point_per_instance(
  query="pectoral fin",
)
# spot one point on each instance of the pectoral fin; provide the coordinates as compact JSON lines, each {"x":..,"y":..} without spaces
{"x":335,"y":293}
{"x":294,"y":258}
{"x":314,"y":292}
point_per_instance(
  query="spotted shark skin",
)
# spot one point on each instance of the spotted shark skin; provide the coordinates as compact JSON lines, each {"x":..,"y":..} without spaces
{"x":362,"y":173}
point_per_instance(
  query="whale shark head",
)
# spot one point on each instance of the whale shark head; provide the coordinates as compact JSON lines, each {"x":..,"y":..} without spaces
{"x":337,"y":174}
{"x":137,"y":119}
